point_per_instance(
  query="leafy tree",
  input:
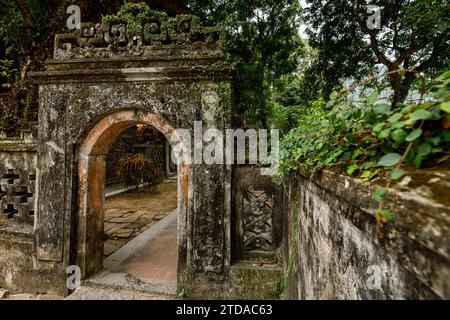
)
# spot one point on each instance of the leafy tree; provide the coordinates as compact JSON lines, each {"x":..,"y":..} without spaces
{"x":27,"y":30}
{"x":293,"y":94}
{"x":413,"y":38}
{"x":262,"y":35}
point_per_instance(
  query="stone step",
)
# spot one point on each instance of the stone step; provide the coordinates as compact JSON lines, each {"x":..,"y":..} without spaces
{"x":88,"y":292}
{"x":128,"y":282}
{"x":121,"y":286}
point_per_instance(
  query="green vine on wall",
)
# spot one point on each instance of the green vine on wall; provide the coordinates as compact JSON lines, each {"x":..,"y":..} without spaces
{"x":367,"y":137}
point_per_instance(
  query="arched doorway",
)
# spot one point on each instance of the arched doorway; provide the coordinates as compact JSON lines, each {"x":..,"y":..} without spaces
{"x":91,"y":155}
{"x":87,"y":96}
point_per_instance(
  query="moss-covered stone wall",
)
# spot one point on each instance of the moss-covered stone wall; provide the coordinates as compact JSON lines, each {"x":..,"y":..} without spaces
{"x":337,"y":254}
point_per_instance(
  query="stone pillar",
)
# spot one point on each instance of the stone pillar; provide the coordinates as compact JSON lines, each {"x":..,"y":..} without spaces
{"x":51,"y":176}
{"x":95,"y":214}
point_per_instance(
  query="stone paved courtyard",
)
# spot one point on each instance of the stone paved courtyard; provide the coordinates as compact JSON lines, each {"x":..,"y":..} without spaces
{"x":129,"y":214}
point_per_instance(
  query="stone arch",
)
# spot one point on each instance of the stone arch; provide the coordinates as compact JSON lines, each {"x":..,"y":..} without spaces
{"x":98,"y":83}
{"x":91,"y":151}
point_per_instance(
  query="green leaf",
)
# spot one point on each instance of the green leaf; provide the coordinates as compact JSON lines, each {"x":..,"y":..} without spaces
{"x":387,"y":214}
{"x":445,"y":106}
{"x":384,"y":134}
{"x":373,"y":97}
{"x":382,"y":108}
{"x":398,"y":125}
{"x":351,"y":169}
{"x":378,"y":127}
{"x":441,"y":93}
{"x":351,"y":138}
{"x":446,"y":135}
{"x":395,"y":117}
{"x":344,"y":115}
{"x":410,"y":156}
{"x":347,"y":155}
{"x":418,"y":161}
{"x":357,"y":153}
{"x":407,"y":109}
{"x":334,"y":95}
{"x":443,"y":76}
{"x":421,"y":115}
{"x":424,"y":149}
{"x":399,"y":135}
{"x":435,"y":140}
{"x":368,"y":174}
{"x":436,"y":116}
{"x":413,"y":135}
{"x":182,"y":294}
{"x":379,"y":195}
{"x":389,"y":160}
{"x":396,"y":174}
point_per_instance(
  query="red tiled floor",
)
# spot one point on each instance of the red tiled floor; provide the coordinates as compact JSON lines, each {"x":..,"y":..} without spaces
{"x":157,"y":260}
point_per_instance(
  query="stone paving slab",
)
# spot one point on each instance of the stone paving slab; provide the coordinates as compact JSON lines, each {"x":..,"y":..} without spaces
{"x":129,"y":214}
{"x":156,"y":260}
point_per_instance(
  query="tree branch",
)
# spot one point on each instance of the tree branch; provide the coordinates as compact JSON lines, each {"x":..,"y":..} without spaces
{"x":373,"y":38}
{"x":432,"y":59}
{"x":27,"y":19}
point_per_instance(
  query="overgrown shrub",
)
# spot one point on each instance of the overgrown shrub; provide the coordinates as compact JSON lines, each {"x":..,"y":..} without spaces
{"x":366,"y":137}
{"x":136,"y":170}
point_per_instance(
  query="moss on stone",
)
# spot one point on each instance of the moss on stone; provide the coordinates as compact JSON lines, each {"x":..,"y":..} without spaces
{"x":154,"y":25}
{"x":251,"y":282}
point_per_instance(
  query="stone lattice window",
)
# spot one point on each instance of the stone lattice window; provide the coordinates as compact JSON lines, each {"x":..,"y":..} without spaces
{"x":17,"y":196}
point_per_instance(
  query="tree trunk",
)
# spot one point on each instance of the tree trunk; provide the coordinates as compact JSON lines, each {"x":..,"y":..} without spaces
{"x":27,"y":19}
{"x":401,"y":86}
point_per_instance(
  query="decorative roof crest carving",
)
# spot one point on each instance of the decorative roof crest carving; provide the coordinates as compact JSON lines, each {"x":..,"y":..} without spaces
{"x":136,"y":30}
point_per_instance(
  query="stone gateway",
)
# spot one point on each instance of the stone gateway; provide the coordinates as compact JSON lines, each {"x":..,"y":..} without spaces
{"x":101,"y":82}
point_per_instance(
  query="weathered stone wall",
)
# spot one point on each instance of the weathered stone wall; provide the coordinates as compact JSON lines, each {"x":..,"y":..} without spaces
{"x":73,"y":103}
{"x":17,"y":184}
{"x":335,"y":252}
{"x":18,"y":270}
{"x":257,"y":235}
